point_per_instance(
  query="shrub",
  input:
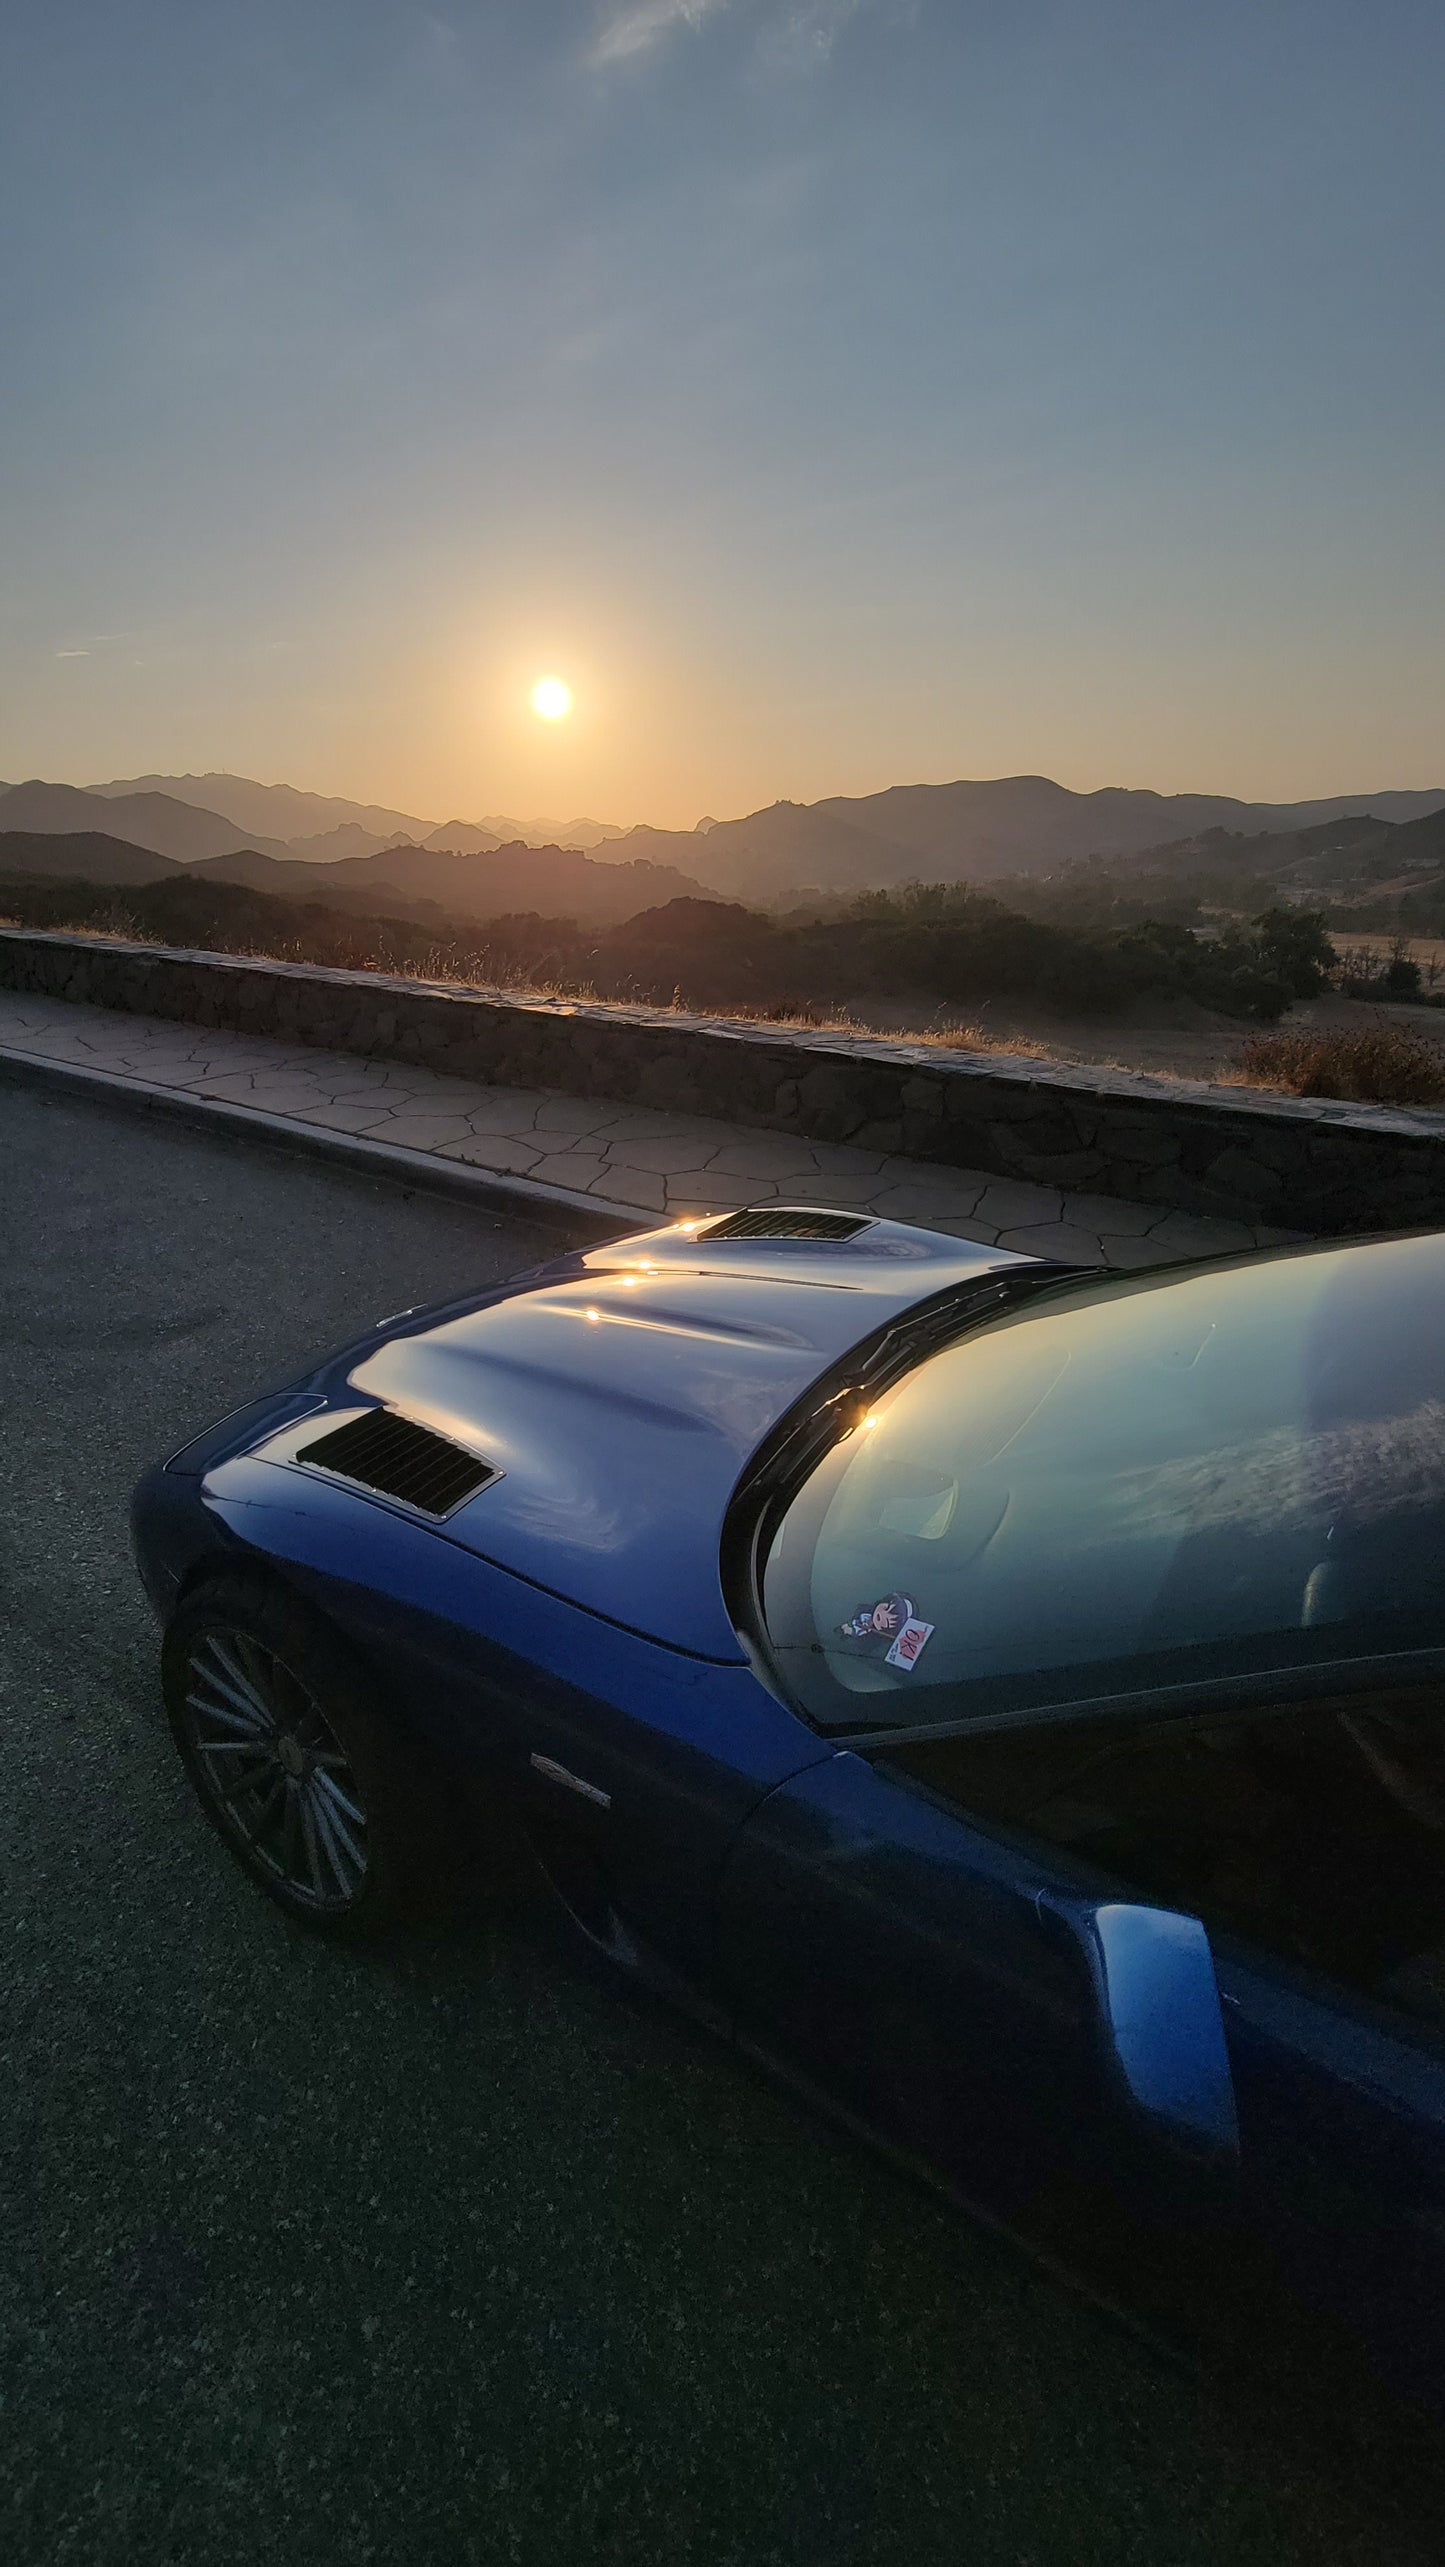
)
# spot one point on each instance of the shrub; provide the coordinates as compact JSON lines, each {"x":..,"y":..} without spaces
{"x":1295,"y":948}
{"x":1229,"y":972}
{"x":1373,"y":1065}
{"x":1364,"y":973}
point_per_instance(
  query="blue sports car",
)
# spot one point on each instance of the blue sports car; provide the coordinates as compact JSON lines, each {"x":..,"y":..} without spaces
{"x":1005,"y":1698}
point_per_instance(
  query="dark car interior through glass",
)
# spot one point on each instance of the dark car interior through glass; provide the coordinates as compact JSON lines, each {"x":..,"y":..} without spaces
{"x":1127,"y":1484}
{"x":1315,"y":1830}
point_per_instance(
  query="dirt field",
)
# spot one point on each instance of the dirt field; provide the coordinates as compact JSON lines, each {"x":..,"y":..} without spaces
{"x":1427,"y":951}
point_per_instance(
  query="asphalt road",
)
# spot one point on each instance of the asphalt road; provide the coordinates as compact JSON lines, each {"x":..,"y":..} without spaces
{"x":460,"y":2255}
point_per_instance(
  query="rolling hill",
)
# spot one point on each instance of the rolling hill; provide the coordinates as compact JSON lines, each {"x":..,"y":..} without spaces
{"x":582,"y":833}
{"x":790,"y":846}
{"x":554,"y":882}
{"x":970,"y":832}
{"x":80,"y":855}
{"x":1021,"y":823}
{"x":179,"y":830}
{"x":273,"y":811}
{"x":319,"y":826}
{"x":469,"y":838}
{"x":994,"y":831}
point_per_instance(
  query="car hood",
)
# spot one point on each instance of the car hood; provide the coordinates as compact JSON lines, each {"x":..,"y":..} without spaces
{"x":619,"y":1394}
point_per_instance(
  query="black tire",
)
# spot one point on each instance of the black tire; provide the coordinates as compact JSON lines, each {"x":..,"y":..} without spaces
{"x":323,"y":1801}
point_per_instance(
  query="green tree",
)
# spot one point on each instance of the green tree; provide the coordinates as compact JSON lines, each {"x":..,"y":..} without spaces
{"x":1294,"y":946}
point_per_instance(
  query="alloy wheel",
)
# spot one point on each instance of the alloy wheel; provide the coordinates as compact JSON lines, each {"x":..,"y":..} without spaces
{"x":278,"y":1776}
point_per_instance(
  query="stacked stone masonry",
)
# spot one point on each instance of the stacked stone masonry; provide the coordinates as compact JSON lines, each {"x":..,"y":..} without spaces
{"x":1238,"y":1155}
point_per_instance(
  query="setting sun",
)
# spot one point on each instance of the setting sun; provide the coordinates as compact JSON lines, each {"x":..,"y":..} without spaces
{"x":551,"y":699}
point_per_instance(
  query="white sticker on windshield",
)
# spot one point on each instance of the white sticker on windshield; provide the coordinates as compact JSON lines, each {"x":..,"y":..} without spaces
{"x":910,"y":1644}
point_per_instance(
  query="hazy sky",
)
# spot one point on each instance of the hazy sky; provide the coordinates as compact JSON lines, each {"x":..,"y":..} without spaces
{"x":834,"y":392}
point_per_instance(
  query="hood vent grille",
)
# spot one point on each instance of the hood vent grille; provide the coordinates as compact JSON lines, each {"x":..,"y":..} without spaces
{"x":400,"y":1459}
{"x":784,"y":1221}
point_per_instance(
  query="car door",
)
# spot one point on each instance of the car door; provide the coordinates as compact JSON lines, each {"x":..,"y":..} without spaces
{"x":1342,"y":2128}
{"x":921,"y":1963}
{"x":947,"y":1988}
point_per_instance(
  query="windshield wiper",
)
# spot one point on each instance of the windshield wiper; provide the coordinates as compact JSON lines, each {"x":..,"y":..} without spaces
{"x":896,"y":1351}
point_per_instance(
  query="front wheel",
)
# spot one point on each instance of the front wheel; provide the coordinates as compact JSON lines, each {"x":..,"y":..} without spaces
{"x":315,"y":1794}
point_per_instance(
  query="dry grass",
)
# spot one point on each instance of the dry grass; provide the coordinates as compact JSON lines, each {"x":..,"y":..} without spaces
{"x":1363,"y":949}
{"x":974,"y":1038}
{"x":515,"y":981}
{"x":116,"y":932}
{"x":1376,"y":1064}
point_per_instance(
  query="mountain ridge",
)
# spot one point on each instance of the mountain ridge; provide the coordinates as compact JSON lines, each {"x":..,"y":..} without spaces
{"x":81,"y":855}
{"x":275,"y":811}
{"x":550,"y":881}
{"x":992,"y":829}
{"x":182,"y":831}
{"x":309,"y":822}
{"x":974,"y":831}
{"x":558,"y":882}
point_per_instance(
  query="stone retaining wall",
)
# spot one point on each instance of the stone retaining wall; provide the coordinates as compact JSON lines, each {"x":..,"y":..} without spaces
{"x":1314,"y":1166}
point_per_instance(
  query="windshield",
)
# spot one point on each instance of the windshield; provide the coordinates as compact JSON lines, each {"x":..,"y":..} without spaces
{"x":1138,"y":1482}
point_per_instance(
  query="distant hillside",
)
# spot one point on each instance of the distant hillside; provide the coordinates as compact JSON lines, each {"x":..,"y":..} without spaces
{"x":1329,"y":859}
{"x":84,"y":855}
{"x":155,"y":820}
{"x":1417,"y":839}
{"x":971,"y":832}
{"x":1000,"y":830}
{"x":554,"y":880}
{"x":348,"y":839}
{"x":789,"y":846}
{"x":279,"y":811}
{"x":584,"y":833}
{"x":319,"y":826}
{"x":472,"y":838}
{"x":1021,"y":822}
{"x":410,"y":881}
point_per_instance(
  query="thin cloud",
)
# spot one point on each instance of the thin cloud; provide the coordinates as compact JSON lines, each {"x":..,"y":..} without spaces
{"x":641,"y":24}
{"x":86,"y":650}
{"x":793,"y":34}
{"x":807,"y":33}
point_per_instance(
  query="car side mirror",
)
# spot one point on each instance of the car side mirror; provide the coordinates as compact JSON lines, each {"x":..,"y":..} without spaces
{"x":1160,"y":2018}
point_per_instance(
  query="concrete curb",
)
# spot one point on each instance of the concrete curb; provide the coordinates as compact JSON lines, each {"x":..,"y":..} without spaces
{"x":554,"y":1207}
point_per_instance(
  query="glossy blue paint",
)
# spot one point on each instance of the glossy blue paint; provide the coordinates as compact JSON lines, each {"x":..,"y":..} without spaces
{"x":973,"y":2000}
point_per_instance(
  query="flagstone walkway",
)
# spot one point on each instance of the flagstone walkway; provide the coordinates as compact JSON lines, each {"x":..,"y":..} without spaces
{"x":635,"y":1158}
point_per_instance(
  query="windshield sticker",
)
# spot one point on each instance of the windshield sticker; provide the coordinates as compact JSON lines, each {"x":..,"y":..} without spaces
{"x":910,"y":1644}
{"x":880,"y":1621}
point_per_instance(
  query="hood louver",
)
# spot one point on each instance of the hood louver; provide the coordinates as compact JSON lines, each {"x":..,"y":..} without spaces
{"x":782,"y":1221}
{"x":398,"y":1458}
